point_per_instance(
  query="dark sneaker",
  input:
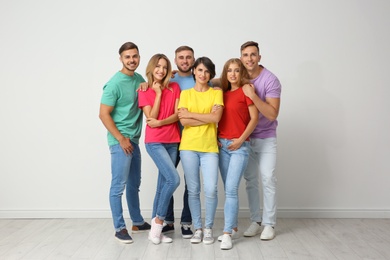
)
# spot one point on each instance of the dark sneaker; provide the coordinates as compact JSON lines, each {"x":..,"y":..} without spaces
{"x":168,"y":228}
{"x":141,"y":228}
{"x":186,"y":231}
{"x":124,"y":236}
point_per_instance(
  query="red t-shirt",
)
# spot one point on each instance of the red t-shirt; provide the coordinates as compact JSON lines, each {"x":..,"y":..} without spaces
{"x":235,"y":115}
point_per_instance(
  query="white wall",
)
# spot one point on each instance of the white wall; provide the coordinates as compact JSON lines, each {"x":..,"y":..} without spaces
{"x":332,"y":58}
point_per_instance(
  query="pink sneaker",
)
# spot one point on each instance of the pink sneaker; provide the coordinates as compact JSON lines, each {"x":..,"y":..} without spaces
{"x":155,"y":232}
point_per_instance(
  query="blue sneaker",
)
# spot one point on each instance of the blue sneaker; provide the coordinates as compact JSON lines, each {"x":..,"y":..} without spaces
{"x":168,"y":228}
{"x":186,"y":231}
{"x":141,"y":228}
{"x":124,"y":236}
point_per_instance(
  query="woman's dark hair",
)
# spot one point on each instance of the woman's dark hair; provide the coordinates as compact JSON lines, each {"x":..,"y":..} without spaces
{"x":210,"y":66}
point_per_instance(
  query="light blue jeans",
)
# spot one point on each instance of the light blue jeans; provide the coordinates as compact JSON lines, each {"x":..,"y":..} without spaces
{"x":262,"y":163}
{"x":192,"y":163}
{"x":232,"y":165}
{"x":164,"y":156}
{"x":125,"y":173}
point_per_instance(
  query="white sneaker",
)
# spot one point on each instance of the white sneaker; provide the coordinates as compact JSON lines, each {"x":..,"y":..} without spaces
{"x":197,"y":237}
{"x":155,"y":232}
{"x":252,"y":230}
{"x":165,"y":239}
{"x":234,"y":235}
{"x":208,"y":238}
{"x":268,"y":233}
{"x":226,"y":243}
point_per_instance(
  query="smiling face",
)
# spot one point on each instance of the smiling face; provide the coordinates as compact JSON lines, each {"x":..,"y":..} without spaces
{"x":184,"y":60}
{"x":130,"y":60}
{"x":250,"y":57}
{"x":233,"y":74}
{"x":160,"y":71}
{"x":202,"y":74}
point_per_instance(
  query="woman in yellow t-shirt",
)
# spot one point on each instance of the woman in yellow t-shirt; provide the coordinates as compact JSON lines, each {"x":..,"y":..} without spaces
{"x":200,"y":109}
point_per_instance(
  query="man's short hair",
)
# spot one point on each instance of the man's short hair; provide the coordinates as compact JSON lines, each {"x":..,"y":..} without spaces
{"x":184,"y":48}
{"x":127,"y":46}
{"x":250,"y":43}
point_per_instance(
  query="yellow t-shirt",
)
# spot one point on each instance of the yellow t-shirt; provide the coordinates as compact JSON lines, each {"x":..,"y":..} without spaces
{"x":201,"y":138}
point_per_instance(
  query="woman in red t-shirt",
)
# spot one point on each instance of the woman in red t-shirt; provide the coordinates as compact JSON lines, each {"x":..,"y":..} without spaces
{"x":239,"y":119}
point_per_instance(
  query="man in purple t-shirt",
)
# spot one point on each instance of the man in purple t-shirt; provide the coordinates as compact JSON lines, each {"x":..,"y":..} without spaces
{"x":265,"y":93}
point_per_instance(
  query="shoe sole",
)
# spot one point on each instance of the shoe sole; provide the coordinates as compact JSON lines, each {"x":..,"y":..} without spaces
{"x":226,"y":248}
{"x":125,"y":241}
{"x":139,"y":231}
{"x":208,"y":242}
{"x":187,"y":236}
{"x":266,"y":239}
{"x":251,"y":235}
{"x":155,"y":242}
{"x":167,"y":241}
{"x":169,"y":232}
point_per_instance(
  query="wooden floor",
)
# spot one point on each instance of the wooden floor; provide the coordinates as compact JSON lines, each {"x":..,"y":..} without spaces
{"x":295,"y":239}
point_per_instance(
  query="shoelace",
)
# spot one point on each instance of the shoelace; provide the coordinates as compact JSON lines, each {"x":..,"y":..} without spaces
{"x":186,"y":227}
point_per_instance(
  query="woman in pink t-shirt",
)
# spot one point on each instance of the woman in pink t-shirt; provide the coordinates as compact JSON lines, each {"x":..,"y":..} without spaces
{"x":238,"y":120}
{"x":159,"y":104}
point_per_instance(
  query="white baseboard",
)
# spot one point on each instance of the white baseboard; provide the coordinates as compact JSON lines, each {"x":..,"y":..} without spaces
{"x":244,"y":213}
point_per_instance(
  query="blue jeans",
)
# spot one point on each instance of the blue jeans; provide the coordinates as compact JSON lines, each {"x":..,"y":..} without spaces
{"x":164,"y":156}
{"x":262,"y":163}
{"x":193,"y":162}
{"x":125,"y":173}
{"x":232,"y":165}
{"x":186,"y":218}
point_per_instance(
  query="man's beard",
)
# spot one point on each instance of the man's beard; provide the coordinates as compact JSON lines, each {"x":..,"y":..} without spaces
{"x":128,"y":69}
{"x":184,"y":71}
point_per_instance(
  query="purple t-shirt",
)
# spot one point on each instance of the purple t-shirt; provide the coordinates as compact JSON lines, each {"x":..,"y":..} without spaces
{"x":267,"y":85}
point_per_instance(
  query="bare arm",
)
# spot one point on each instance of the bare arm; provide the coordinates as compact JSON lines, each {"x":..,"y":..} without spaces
{"x":254,"y":115}
{"x":108,"y":122}
{"x":190,"y":122}
{"x":152,"y":122}
{"x":269,"y":109}
{"x":203,"y":118}
{"x":152,"y":112}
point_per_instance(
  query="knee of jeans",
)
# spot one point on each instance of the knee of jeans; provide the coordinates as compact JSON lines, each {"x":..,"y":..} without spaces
{"x":269,"y":181}
{"x":231,"y":192}
{"x":210,"y":193}
{"x":176,"y":183}
{"x":253,"y":182}
{"x":117,"y":189}
{"x":251,"y":176}
{"x":193,"y":193}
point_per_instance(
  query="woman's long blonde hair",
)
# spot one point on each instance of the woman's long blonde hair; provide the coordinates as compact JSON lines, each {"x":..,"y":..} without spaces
{"x":152,"y":65}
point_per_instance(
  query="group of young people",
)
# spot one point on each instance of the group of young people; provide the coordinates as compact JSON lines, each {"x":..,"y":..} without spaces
{"x":225,"y":125}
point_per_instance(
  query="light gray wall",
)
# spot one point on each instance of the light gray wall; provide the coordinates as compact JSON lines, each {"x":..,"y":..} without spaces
{"x":332,"y":58}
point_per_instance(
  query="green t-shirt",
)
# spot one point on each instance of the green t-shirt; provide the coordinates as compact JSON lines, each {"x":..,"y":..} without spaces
{"x":120,"y":93}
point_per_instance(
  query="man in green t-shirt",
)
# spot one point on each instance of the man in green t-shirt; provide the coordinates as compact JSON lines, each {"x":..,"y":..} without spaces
{"x":121,"y":116}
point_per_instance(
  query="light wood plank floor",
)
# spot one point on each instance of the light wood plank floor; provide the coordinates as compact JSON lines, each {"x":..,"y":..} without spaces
{"x":295,"y":239}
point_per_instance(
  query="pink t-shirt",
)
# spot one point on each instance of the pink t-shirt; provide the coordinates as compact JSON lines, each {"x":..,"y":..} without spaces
{"x":167,"y":133}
